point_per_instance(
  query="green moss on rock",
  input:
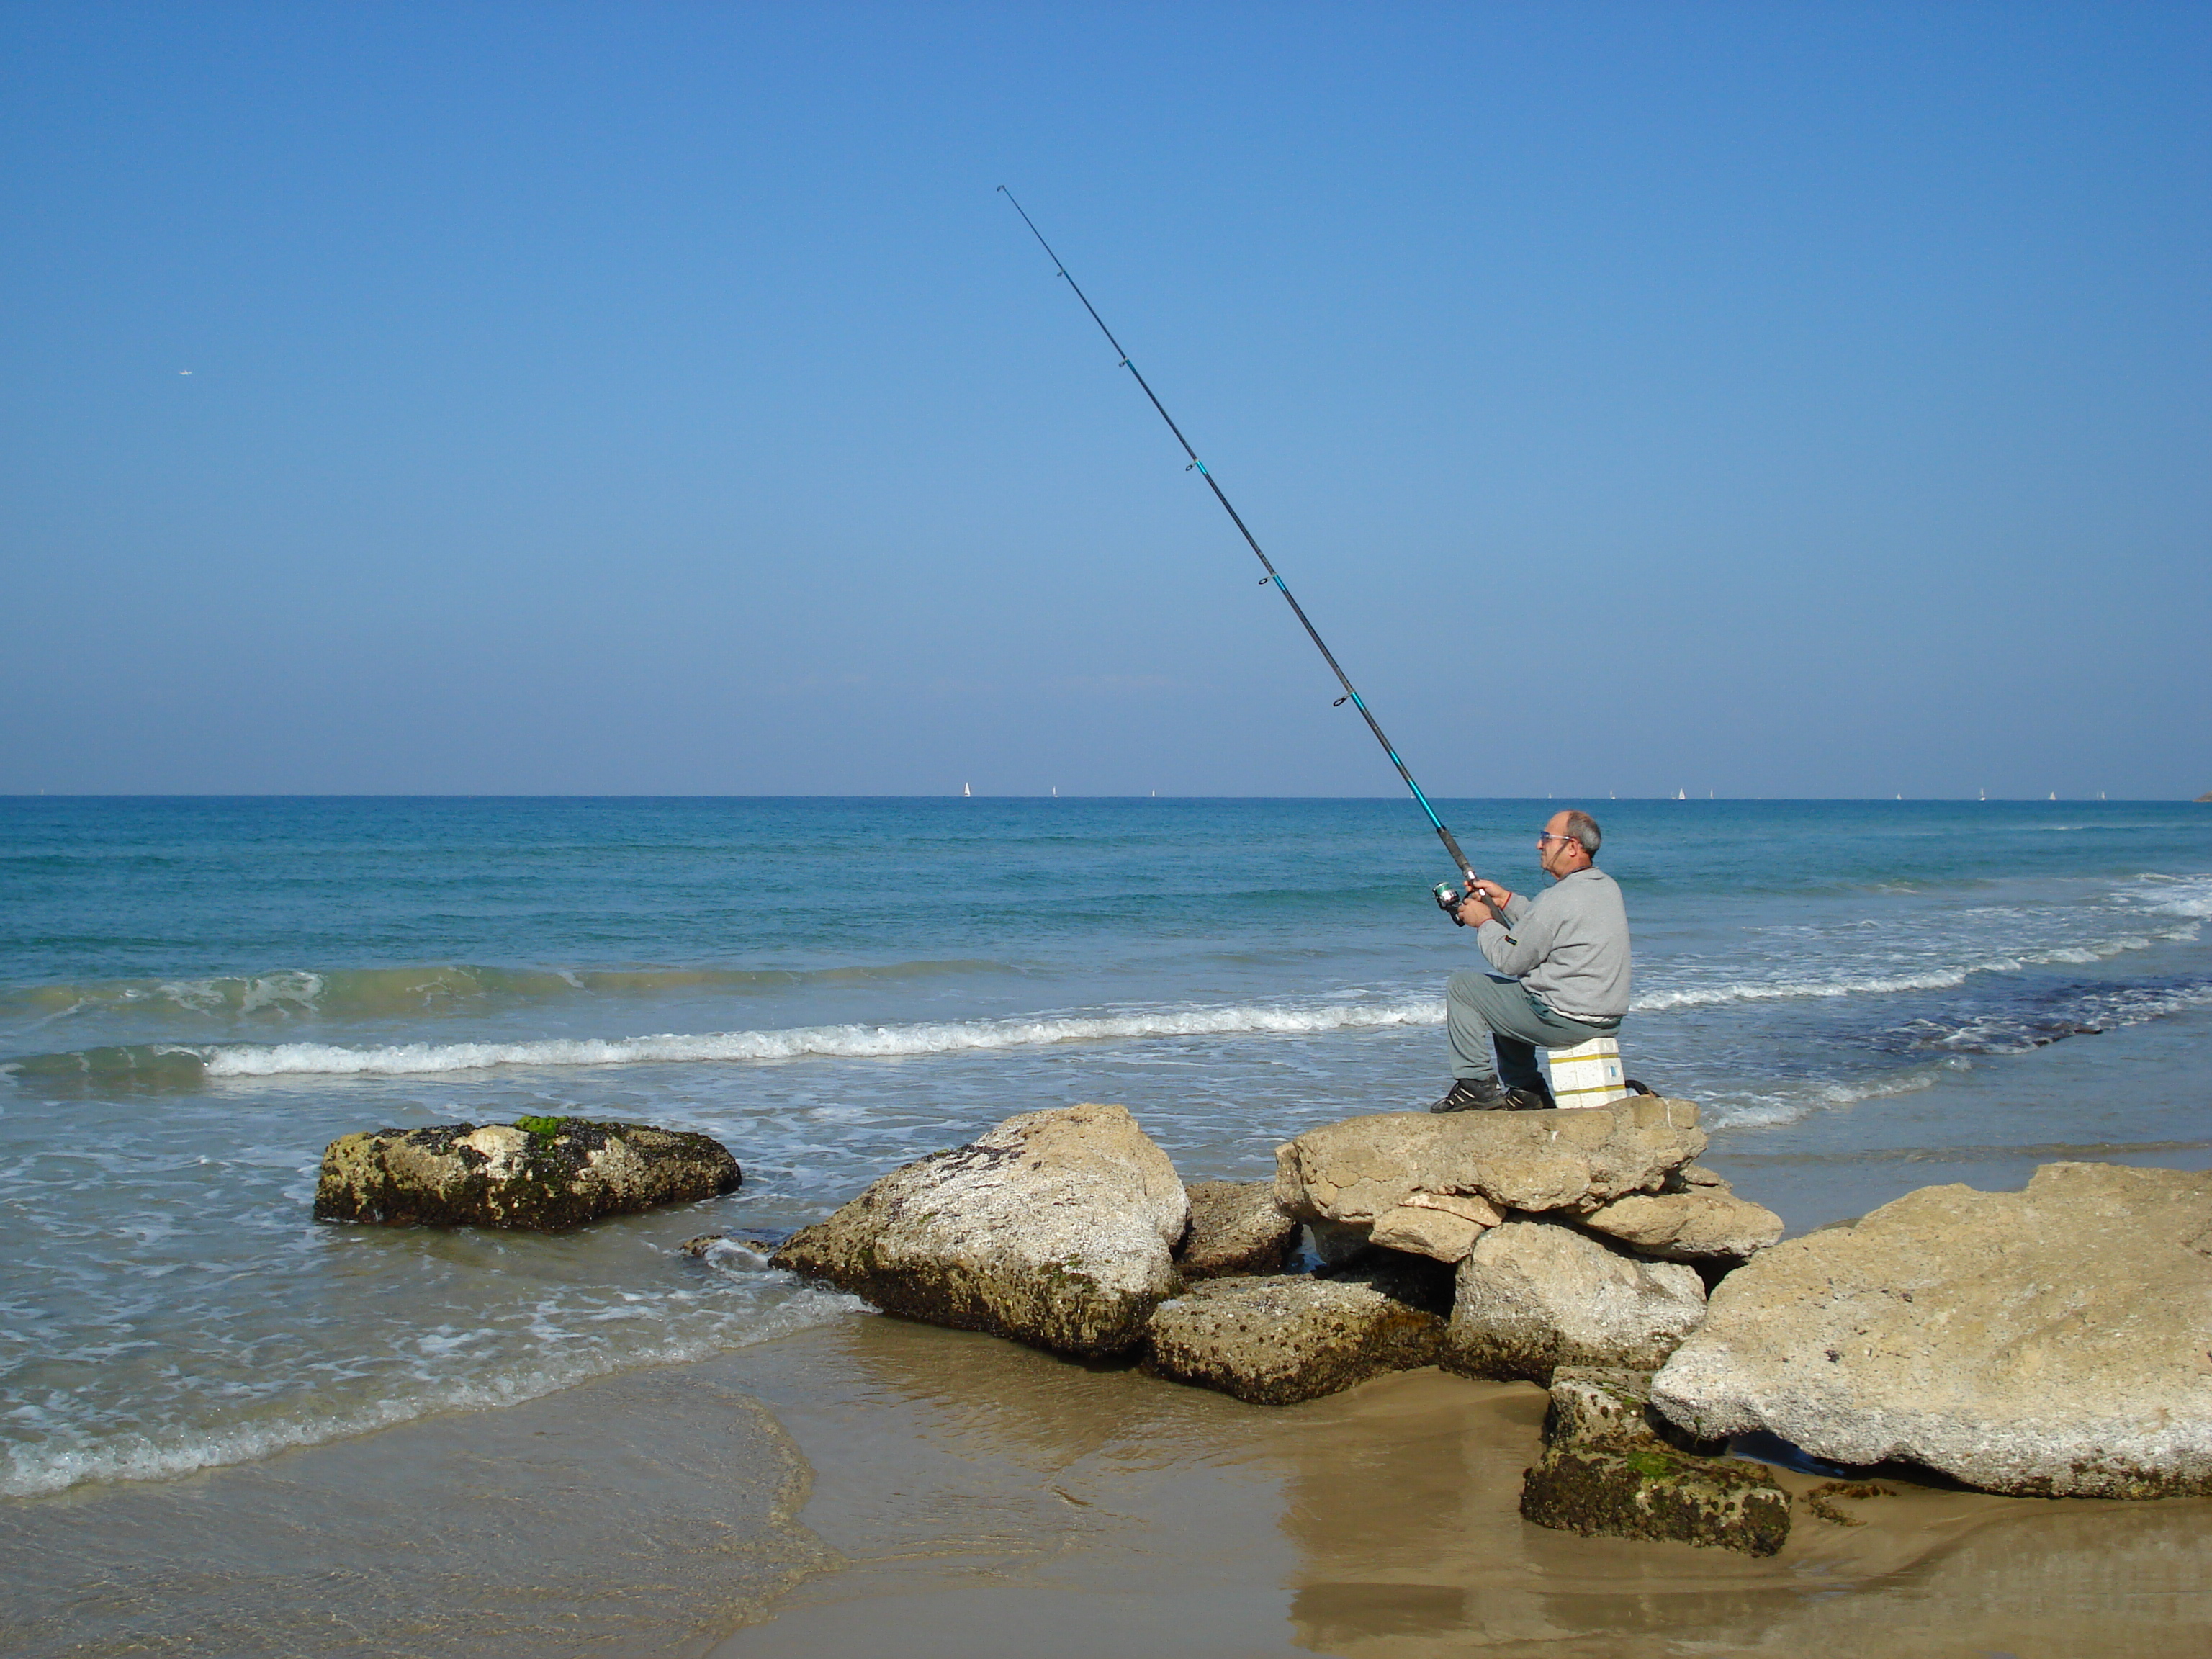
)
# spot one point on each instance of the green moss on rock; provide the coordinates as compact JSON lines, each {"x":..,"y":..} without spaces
{"x":523,"y":1176}
{"x":1612,"y":1465}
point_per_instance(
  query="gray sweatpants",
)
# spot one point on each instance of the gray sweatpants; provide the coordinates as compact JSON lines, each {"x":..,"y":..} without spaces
{"x":1482,"y":1011}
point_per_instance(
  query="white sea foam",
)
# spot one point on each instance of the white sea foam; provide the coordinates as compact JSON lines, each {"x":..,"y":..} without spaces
{"x":2176,"y":896}
{"x":846,"y":1041}
{"x":58,"y":1462}
{"x":1744,"y":1109}
{"x":1939,"y":977}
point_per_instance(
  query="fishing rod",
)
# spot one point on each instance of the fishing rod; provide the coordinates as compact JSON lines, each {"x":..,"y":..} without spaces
{"x":1350,"y":693}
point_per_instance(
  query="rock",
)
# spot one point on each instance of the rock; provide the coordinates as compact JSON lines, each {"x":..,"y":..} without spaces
{"x":1693,"y":1175}
{"x":1535,"y":1295}
{"x":1702,"y":1225}
{"x":1363,"y":1168}
{"x":1276,"y":1340}
{"x":1608,"y":1466}
{"x":1054,"y":1229}
{"x":540,"y":1174}
{"x":1821,"y":1500}
{"x":2055,"y":1340}
{"x":1235,"y":1228}
{"x":1442,"y":1225}
{"x":741,"y":1255}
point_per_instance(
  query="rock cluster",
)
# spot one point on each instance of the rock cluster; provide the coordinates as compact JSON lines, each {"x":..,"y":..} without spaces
{"x":1612,"y":1465}
{"x":540,"y":1174}
{"x":2055,"y":1340}
{"x":1067,"y":1230}
{"x":1573,"y":1233}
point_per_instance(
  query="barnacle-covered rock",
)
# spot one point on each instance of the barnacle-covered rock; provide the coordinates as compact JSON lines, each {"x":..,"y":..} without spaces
{"x":539,"y":1175}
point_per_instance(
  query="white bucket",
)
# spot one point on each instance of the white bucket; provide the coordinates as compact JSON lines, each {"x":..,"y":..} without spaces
{"x":1587,"y":1074}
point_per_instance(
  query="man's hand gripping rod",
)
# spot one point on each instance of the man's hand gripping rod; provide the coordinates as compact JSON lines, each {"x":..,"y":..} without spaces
{"x":1351,"y":694}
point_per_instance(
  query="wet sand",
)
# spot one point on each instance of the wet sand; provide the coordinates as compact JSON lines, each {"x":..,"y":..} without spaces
{"x":1382,"y":1524}
{"x":884,"y":1486}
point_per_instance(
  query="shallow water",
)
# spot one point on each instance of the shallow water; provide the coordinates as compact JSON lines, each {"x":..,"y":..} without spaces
{"x":198,"y":995}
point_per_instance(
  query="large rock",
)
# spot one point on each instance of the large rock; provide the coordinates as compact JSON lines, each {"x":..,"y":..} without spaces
{"x":1704,"y":1223}
{"x":540,"y":1174}
{"x":1279,"y":1340}
{"x":2055,"y":1340}
{"x":1535,"y":1295}
{"x":1611,"y":1465}
{"x":1236,"y":1227}
{"x":1364,"y":1167}
{"x":1054,"y":1229}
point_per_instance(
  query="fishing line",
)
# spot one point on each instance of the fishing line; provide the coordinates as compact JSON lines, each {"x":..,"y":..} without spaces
{"x":1350,"y":693}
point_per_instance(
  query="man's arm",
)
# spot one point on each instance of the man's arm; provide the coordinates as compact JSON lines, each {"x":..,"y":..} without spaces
{"x":1522,"y":941}
{"x":1507,"y":905}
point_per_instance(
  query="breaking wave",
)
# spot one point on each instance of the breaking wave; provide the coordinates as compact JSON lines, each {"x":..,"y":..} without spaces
{"x":243,"y":1059}
{"x":440,"y":987}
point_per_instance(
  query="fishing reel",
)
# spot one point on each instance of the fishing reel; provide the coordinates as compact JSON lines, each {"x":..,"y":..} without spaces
{"x":1448,"y":901}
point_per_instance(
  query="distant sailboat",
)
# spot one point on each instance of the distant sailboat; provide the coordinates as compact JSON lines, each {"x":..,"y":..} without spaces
{"x":1056,"y":791}
{"x":2054,"y":794}
{"x":965,"y":790}
{"x":1985,"y":794}
{"x":1682,"y":794}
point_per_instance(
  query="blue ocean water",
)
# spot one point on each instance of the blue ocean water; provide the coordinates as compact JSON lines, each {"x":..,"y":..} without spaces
{"x":197,"y":995}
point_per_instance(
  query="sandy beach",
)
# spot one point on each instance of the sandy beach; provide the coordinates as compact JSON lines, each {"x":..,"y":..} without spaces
{"x":941,"y":1493}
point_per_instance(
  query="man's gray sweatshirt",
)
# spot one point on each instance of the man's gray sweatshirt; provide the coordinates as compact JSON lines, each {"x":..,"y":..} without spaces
{"x":1569,"y":944}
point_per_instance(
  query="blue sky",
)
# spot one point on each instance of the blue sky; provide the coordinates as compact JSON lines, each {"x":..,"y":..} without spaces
{"x":1769,"y":399}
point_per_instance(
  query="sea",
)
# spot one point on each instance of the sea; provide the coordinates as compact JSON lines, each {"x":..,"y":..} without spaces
{"x":197,"y":995}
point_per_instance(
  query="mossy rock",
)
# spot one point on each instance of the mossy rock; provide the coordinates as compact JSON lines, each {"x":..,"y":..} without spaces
{"x":537,"y":1175}
{"x":1612,"y":1465}
{"x":1655,"y":1491}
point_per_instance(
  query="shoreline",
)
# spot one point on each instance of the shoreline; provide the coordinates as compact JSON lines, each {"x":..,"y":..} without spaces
{"x":880,"y":1483}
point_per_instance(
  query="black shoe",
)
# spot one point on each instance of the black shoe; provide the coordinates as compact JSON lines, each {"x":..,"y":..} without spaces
{"x":1537,"y":1099}
{"x":1478,"y":1094}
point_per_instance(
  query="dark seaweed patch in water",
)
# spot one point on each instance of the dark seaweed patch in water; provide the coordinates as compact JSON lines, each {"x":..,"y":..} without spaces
{"x":2037,"y":1016}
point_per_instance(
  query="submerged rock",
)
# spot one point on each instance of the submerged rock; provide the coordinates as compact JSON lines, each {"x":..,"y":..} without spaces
{"x":1282,"y":1338}
{"x":1236,"y":1227}
{"x":1054,"y":1229}
{"x":2055,"y":1340}
{"x":1536,"y":1295}
{"x":1363,"y":1168}
{"x":1611,"y":1466}
{"x":1704,"y":1223}
{"x":737,"y":1255}
{"x":540,"y":1174}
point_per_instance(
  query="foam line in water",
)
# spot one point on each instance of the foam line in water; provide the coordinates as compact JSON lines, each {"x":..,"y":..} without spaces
{"x":1940,"y":977}
{"x":842,"y":1042}
{"x":31,"y":1470}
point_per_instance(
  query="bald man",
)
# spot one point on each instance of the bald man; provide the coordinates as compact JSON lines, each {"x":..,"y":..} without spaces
{"x":1562,"y":978}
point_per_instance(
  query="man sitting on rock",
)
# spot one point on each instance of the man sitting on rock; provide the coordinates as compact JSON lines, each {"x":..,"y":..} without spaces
{"x":1562,"y":974}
